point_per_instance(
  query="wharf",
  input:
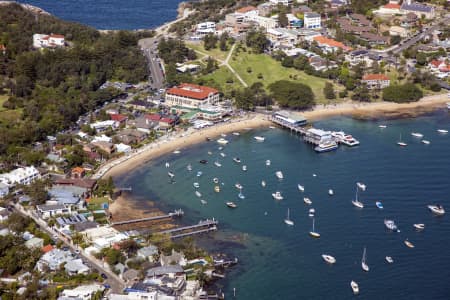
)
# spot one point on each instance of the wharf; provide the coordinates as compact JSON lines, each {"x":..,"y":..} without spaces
{"x":202,"y":227}
{"x":176,"y":213}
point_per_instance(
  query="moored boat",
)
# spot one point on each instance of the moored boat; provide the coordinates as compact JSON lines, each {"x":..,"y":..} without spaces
{"x":170,"y":174}
{"x":329,"y":259}
{"x":231,"y":204}
{"x":330,"y":192}
{"x":167,"y":165}
{"x":268,"y":162}
{"x":217,"y":189}
{"x":244,"y":168}
{"x":300,"y":187}
{"x":222,"y":141}
{"x":390,"y":224}
{"x":361,"y":186}
{"x":288,"y":221}
{"x":236,"y":133}
{"x":238,"y":186}
{"x":326,"y":146}
{"x":189,"y":167}
{"x":204,"y":202}
{"x":364,"y":265}
{"x":279,"y":175}
{"x":216,"y":180}
{"x":401,"y":143}
{"x":313,"y":233}
{"x":426,"y":142}
{"x":355,"y":287}
{"x":419,"y":226}
{"x":389,"y":259}
{"x":409,"y":244}
{"x":444,"y":131}
{"x":196,"y":185}
{"x":263,"y":183}
{"x":379,"y":205}
{"x":198,"y":194}
{"x":260,"y":138}
{"x":236,"y":160}
{"x":382,"y":126}
{"x":176,"y":152}
{"x":437,"y":209}
{"x":307,"y":200}
{"x":356,"y":202}
{"x":311,"y":212}
{"x":203,"y":161}
{"x":199,"y":173}
{"x":277,"y":195}
{"x":222,"y":154}
{"x":417,"y":134}
{"x":217,"y":164}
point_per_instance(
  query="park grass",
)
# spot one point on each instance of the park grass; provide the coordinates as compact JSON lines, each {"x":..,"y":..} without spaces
{"x":221,"y":76}
{"x":3,"y":99}
{"x":10,"y":116}
{"x":215,"y":53}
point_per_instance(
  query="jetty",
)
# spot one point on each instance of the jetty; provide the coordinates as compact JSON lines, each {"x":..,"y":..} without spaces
{"x":202,"y":227}
{"x":176,"y":213}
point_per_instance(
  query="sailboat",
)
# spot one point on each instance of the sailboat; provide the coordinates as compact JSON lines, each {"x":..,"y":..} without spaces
{"x":313,"y":233}
{"x":288,"y":221}
{"x":355,"y":287}
{"x":364,"y":265}
{"x":400,"y":143}
{"x":356,"y":202}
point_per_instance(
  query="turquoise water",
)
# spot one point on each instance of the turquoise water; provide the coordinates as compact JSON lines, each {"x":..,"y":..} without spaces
{"x":281,"y":262}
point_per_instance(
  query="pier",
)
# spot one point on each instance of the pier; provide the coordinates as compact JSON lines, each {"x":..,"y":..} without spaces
{"x":176,"y":213}
{"x":202,"y":227}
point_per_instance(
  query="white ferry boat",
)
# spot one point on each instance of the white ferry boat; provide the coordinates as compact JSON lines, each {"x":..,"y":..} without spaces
{"x":326,"y":146}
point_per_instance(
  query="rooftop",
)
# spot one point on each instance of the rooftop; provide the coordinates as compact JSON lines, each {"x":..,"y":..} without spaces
{"x":416,"y":7}
{"x":330,"y":42}
{"x":192,"y":91}
{"x":375,"y":77}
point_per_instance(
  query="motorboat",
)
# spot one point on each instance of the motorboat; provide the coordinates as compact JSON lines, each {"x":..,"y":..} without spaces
{"x":330,"y":192}
{"x":189,"y":167}
{"x":199,"y":173}
{"x":311,"y":212}
{"x":203,"y":161}
{"x":223,"y":135}
{"x":390,"y":224}
{"x":344,"y":138}
{"x":288,"y":221}
{"x":222,"y":154}
{"x":209,"y":152}
{"x":198,"y":194}
{"x":259,"y":138}
{"x":176,"y":152}
{"x":382,"y":126}
{"x":444,"y":131}
{"x":326,"y":146}
{"x":379,"y":204}
{"x":313,"y":233}
{"x":170,"y":174}
{"x":268,"y":162}
{"x":426,"y":142}
{"x":401,"y":143}
{"x":196,"y":185}
{"x":361,"y":186}
{"x":300,"y":187}
{"x":217,"y":164}
{"x":364,"y":265}
{"x":167,"y":165}
{"x":307,"y":200}
{"x":355,"y":287}
{"x":409,"y":244}
{"x":417,"y":135}
{"x":356,"y":202}
{"x":231,"y":204}
{"x":222,"y":141}
{"x":237,"y":160}
{"x":389,"y":259}
{"x":437,"y":209}
{"x":204,"y":202}
{"x":236,"y":133}
{"x":216,"y":180}
{"x":277,"y":195}
{"x":272,"y":127}
{"x":244,"y":168}
{"x":314,"y":175}
{"x":238,"y":186}
{"x":329,"y":259}
{"x":220,"y":148}
{"x":263,"y":183}
{"x":279,"y":175}
{"x":419,"y":226}
{"x":217,"y":189}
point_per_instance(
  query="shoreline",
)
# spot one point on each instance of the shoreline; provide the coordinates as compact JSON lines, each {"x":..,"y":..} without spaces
{"x":180,"y":140}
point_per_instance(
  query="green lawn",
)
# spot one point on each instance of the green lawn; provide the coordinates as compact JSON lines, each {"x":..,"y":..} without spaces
{"x":216,"y":53}
{"x":221,"y":76}
{"x":3,"y":99}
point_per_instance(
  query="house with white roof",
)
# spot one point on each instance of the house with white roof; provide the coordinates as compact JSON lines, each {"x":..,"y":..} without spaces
{"x":4,"y":189}
{"x":48,"y":40}
{"x":312,"y":20}
{"x":82,"y":292}
{"x":25,"y":176}
{"x":419,"y":9}
{"x":206,"y":28}
{"x":148,"y":253}
{"x":282,"y":2}
{"x":76,"y":266}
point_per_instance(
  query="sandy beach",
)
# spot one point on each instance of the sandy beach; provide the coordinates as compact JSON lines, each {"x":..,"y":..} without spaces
{"x":358,"y":110}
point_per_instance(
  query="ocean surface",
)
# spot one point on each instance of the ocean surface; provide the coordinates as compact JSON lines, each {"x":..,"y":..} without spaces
{"x":282,"y":262}
{"x":112,"y":14}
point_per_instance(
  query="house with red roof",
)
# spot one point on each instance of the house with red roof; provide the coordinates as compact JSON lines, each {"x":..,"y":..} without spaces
{"x":389,"y":9}
{"x":191,"y":96}
{"x":119,"y":119}
{"x":78,"y":172}
{"x":164,"y":122}
{"x":48,"y":40}
{"x":47,"y":248}
{"x":440,"y":68}
{"x":376,"y":81}
{"x":247,"y":10}
{"x":330,"y":45}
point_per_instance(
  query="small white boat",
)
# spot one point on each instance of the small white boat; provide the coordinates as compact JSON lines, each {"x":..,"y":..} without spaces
{"x":223,"y":135}
{"x":364,"y":265}
{"x":401,"y":143}
{"x":268,"y":162}
{"x":382,"y":126}
{"x":167,"y":165}
{"x":288,"y":221}
{"x":244,"y":168}
{"x":222,"y":141}
{"x":307,"y":200}
{"x":217,"y":164}
{"x":216,"y":180}
{"x":444,"y":131}
{"x":417,"y":134}
{"x":189,"y":167}
{"x":222,"y":154}
{"x":426,"y":142}
{"x":231,"y":204}
{"x":176,"y":152}
{"x":277,"y":195}
{"x":329,"y":259}
{"x":236,"y":160}
{"x":263,"y":183}
{"x":217,"y":189}
{"x":272,"y":127}
{"x":314,"y":175}
{"x":379,"y":205}
{"x":198,"y":194}
{"x":196,"y":185}
{"x":390,"y":224}
{"x":300,"y":187}
{"x":260,"y":138}
{"x":389,"y":259}
{"x":313,"y":233}
{"x":355,"y":287}
{"x":204,"y":202}
{"x":330,"y":192}
{"x":279,"y":175}
{"x":437,"y":209}
{"x":419,"y":226}
{"x":209,"y":153}
{"x":199,"y":173}
{"x":236,"y":133}
{"x":311,"y":212}
{"x":238,"y":186}
{"x":220,"y":148}
{"x":170,"y":174}
{"x":357,"y":203}
{"x":361,"y":185}
{"x":409,"y":244}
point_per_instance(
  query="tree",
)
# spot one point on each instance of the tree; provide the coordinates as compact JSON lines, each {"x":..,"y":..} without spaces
{"x":402,"y":93}
{"x":287,"y":62}
{"x":210,"y":41}
{"x":328,"y":91}
{"x":282,"y":19}
{"x":37,"y":191}
{"x":361,"y":93}
{"x":211,"y":66}
{"x":421,"y":58}
{"x":257,"y":41}
{"x":223,"y":41}
{"x":292,"y":94}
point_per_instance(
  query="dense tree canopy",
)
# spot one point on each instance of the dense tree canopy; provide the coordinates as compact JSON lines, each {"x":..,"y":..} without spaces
{"x":292,"y":94}
{"x":402,"y":93}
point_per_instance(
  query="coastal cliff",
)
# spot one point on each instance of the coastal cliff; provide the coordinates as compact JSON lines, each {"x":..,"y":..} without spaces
{"x":33,"y":9}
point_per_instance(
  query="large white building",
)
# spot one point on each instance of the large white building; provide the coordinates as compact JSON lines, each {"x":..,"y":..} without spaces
{"x":24,"y":176}
{"x":206,"y":28}
{"x":191,"y":96}
{"x":283,"y":2}
{"x":48,"y":41}
{"x":312,"y":21}
{"x":265,"y":22}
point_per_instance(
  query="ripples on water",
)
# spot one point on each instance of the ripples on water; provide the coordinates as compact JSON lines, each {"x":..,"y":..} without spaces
{"x":281,"y":262}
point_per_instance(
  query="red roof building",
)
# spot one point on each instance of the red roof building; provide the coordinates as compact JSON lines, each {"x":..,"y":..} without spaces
{"x":330,"y":44}
{"x":246,"y":9}
{"x":47,"y":248}
{"x":191,"y":95}
{"x":119,"y":118}
{"x":376,"y":81}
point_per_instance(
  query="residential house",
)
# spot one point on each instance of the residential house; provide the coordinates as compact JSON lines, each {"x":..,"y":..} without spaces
{"x":123,"y":148}
{"x":140,"y":105}
{"x":130,"y":136}
{"x":34,"y":243}
{"x":148,"y":253}
{"x":264,"y":22}
{"x":440,"y":68}
{"x":70,"y":196}
{"x":337,"y":3}
{"x":330,"y":45}
{"x":76,"y":267}
{"x":3,"y":49}
{"x":282,"y":2}
{"x":176,"y":258}
{"x":78,"y":172}
{"x":187,"y":68}
{"x":375,"y":39}
{"x":409,"y":20}
{"x":419,"y":9}
{"x":4,"y":189}
{"x":264,"y":9}
{"x":24,"y":176}
{"x":47,"y":211}
{"x":389,"y":9}
{"x":320,"y":64}
{"x":83,"y":292}
{"x":359,"y":56}
{"x":205,"y":28}
{"x":104,"y":146}
{"x":376,"y":81}
{"x":47,"y":248}
{"x":247,"y":10}
{"x":143,"y":124}
{"x":312,"y":21}
{"x":164,"y":122}
{"x":360,"y":19}
{"x":86,"y":183}
{"x":294,"y":22}
{"x":120,"y":119}
{"x":399,"y":31}
{"x":48,"y":41}
{"x":4,"y":214}
{"x":191,"y":95}
{"x":103,"y":237}
{"x":170,"y":270}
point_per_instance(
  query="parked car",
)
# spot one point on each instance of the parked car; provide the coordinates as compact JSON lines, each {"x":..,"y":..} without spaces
{"x":104,"y":276}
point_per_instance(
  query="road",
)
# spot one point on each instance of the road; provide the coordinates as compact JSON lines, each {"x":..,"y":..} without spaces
{"x":117,"y":284}
{"x":150,"y":48}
